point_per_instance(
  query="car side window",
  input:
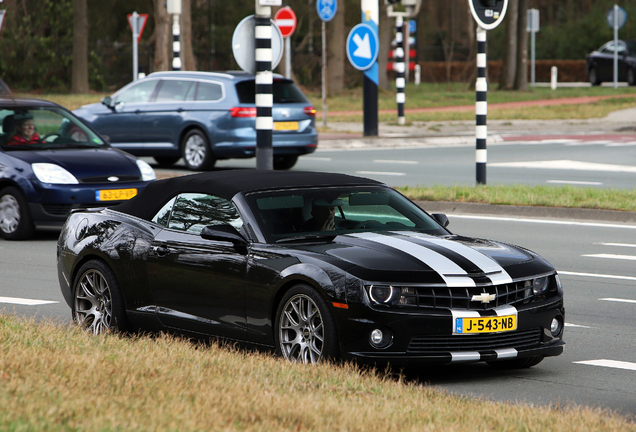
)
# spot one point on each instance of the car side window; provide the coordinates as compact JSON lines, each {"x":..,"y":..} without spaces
{"x":137,"y":93}
{"x":194,"y":211}
{"x":163,"y":216}
{"x":173,"y":90}
{"x":209,"y":92}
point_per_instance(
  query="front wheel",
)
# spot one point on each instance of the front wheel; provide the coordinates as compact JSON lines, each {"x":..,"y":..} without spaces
{"x":15,"y":218}
{"x":631,"y":77}
{"x":197,"y":153}
{"x":593,"y":77}
{"x":285,"y":162}
{"x":98,"y":305}
{"x":305,"y":328}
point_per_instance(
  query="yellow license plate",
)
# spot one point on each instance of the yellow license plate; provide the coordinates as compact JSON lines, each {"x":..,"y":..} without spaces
{"x":486,"y":324}
{"x":115,"y":194}
{"x":285,"y":126}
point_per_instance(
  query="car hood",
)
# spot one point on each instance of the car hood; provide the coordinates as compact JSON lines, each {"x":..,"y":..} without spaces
{"x":84,"y":163}
{"x":411,"y":257}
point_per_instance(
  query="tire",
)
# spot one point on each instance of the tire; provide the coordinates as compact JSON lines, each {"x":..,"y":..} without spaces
{"x":15,"y":218}
{"x":305,"y":331}
{"x":631,"y":76}
{"x":285,"y":162}
{"x":166,"y":160}
{"x":98,"y":305}
{"x":520,"y":363}
{"x":196,"y":151}
{"x":593,"y":76}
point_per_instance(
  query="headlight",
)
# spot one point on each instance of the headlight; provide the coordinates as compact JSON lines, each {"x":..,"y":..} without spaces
{"x":540,"y":285}
{"x":381,"y":293}
{"x":53,"y":174}
{"x":147,"y":173}
{"x":390,"y":295}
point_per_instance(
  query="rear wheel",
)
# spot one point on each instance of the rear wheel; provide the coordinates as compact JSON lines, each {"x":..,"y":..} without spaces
{"x":305,"y":328}
{"x":196,"y":151}
{"x":593,"y":76}
{"x":98,"y":305}
{"x":285,"y":162}
{"x":166,"y":160}
{"x":631,"y":77}
{"x":15,"y":218}
{"x":520,"y":363}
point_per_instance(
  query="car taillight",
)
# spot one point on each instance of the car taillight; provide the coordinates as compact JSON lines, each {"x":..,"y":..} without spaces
{"x":309,"y":110}
{"x":242,"y":112}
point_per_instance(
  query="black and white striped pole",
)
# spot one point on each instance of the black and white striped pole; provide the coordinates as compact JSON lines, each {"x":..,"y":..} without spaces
{"x":174,"y":9}
{"x":481,"y":108}
{"x":264,"y":84}
{"x":400,"y":68}
{"x":488,"y":14}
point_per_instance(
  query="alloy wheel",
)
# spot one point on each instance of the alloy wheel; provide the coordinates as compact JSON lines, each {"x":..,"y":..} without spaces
{"x":93,"y":303}
{"x":195,"y":150}
{"x":301,"y":330}
{"x":9,"y":214}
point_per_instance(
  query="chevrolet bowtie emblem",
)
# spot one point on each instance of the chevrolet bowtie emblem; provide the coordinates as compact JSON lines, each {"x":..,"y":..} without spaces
{"x":484,"y":297}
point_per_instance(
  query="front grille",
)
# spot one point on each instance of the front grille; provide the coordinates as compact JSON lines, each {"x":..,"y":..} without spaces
{"x":522,"y":339}
{"x":104,"y":179}
{"x":513,"y":294}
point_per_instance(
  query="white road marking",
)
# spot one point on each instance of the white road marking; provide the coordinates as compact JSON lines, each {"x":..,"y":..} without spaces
{"x":618,"y":300}
{"x":567,"y":165}
{"x":631,"y":278}
{"x":574,"y":182}
{"x":616,"y":244}
{"x":26,"y":302}
{"x":380,"y":173}
{"x":609,"y":363}
{"x":407,"y":162}
{"x":611,"y":256}
{"x":317,"y":158}
{"x":577,"y":325}
{"x":544,"y":221}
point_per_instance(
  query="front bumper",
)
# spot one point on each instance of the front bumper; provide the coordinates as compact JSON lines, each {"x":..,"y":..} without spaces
{"x":427,"y":337}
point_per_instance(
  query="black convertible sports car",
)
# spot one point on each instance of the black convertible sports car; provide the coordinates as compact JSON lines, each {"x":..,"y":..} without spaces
{"x":315,"y":265}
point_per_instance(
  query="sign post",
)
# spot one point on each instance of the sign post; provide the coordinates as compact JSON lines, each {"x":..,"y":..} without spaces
{"x":285,"y":19}
{"x":174,"y":9}
{"x":488,"y":14}
{"x":326,"y":12}
{"x":137,"y":24}
{"x":616,"y":18}
{"x":533,"y":28}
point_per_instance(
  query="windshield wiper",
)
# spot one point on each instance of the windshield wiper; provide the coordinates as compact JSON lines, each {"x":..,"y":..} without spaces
{"x":320,"y":237}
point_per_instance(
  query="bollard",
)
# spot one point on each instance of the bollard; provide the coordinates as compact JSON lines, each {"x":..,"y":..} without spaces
{"x":553,"y":77}
{"x":418,"y":74}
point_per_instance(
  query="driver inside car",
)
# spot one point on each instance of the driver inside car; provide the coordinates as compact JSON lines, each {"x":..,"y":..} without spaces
{"x":24,"y":131}
{"x":322,"y":217}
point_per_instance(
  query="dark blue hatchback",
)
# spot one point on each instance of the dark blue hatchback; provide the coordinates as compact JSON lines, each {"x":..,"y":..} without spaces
{"x":202,"y":117}
{"x":51,"y":163}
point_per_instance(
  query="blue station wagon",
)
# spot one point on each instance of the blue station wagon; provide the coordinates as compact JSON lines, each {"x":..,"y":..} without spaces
{"x":202,"y":117}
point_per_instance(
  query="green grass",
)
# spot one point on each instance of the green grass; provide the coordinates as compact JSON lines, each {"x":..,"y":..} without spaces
{"x":549,"y":196}
{"x":57,"y":378}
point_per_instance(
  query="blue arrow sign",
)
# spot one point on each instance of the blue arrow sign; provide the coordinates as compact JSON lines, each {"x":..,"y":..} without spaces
{"x":362,"y":47}
{"x":326,"y":9}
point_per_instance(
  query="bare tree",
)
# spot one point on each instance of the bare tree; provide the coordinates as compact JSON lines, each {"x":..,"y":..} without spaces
{"x":187,"y":53}
{"x":162,"y":37}
{"x":386,"y":30}
{"x":521,"y":80}
{"x":509,"y":69}
{"x":336,"y":51}
{"x":79,"y":83}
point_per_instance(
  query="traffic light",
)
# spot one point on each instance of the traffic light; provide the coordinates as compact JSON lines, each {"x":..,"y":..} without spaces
{"x":488,"y":13}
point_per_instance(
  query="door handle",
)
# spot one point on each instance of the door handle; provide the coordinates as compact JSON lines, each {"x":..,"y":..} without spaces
{"x":161,"y":251}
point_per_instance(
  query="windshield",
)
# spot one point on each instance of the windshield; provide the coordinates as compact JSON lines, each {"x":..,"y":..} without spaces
{"x":40,"y":128}
{"x":306,"y":213}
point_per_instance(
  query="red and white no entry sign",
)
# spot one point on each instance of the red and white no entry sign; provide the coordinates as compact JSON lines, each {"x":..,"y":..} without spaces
{"x":285,"y":19}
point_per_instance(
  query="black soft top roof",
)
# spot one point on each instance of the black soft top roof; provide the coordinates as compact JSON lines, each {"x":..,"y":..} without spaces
{"x":226,"y":184}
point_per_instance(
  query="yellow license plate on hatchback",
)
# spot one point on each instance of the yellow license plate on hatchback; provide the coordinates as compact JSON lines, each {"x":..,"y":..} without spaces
{"x":285,"y":126}
{"x":494,"y":324}
{"x":115,"y":194}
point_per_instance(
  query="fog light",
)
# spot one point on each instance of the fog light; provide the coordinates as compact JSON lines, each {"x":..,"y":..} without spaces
{"x":380,"y":339}
{"x":555,"y":327}
{"x":376,"y":337}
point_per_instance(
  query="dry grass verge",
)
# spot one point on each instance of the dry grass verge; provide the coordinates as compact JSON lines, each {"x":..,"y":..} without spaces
{"x":55,"y":378}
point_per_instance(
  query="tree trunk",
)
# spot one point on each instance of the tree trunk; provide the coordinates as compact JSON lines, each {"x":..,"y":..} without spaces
{"x":336,"y":51}
{"x":79,"y":82}
{"x":521,"y":80}
{"x":162,"y":36}
{"x":386,"y":30}
{"x":509,"y":70}
{"x":187,"y":53}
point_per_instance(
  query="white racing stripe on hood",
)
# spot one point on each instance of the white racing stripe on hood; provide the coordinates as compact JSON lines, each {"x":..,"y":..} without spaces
{"x":453,"y":275}
{"x":484,"y":262}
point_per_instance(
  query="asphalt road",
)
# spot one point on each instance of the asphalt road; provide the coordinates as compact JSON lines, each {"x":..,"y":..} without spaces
{"x":595,"y":261}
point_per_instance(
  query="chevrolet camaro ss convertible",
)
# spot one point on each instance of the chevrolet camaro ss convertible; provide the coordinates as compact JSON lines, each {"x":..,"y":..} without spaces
{"x":312,"y":265}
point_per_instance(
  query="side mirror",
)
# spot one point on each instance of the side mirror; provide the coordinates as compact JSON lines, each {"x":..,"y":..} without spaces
{"x":225,"y":233}
{"x":441,"y":219}
{"x":106,"y":100}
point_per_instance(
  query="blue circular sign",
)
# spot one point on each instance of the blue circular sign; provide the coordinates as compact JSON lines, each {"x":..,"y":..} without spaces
{"x":327,"y":9}
{"x":621,"y":17}
{"x":362,"y":47}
